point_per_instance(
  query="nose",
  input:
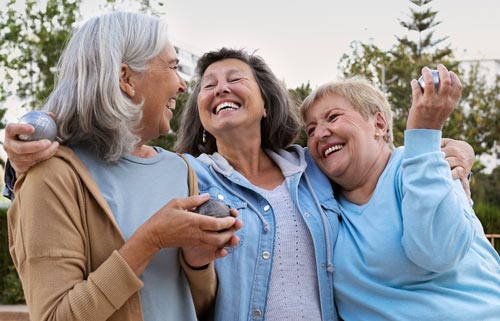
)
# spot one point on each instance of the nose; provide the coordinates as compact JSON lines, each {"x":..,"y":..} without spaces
{"x":321,"y":131}
{"x":222,"y":88}
{"x":182,"y":85}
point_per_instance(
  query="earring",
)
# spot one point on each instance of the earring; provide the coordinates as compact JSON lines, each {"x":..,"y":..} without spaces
{"x":377,"y":135}
{"x":132,"y":93}
{"x":204,"y":137}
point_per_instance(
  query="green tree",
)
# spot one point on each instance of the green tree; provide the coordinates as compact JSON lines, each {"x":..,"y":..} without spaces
{"x":32,"y":40}
{"x":486,"y":193}
{"x":298,"y":95}
{"x":393,"y":69}
{"x":475,"y":120}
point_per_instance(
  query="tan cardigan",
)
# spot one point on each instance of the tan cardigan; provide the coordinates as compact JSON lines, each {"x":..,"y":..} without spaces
{"x":63,"y":240}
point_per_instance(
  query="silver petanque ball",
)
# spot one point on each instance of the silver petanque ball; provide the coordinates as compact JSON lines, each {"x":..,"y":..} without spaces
{"x":45,"y":126}
{"x":435,"y":78}
{"x":213,"y":208}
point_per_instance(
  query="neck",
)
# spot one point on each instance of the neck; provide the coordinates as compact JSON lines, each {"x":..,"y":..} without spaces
{"x":144,"y":151}
{"x":250,"y":160}
{"x":360,"y":190}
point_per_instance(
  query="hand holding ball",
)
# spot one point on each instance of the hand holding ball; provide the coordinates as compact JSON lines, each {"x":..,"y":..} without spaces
{"x":45,"y":126}
{"x":435,"y":78}
{"x":214,"y":209}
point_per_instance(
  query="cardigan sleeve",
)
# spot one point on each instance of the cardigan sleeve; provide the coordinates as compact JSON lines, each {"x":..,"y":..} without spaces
{"x":49,"y":245}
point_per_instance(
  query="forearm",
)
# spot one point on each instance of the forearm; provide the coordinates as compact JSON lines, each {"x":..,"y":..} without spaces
{"x":437,"y":228}
{"x":203,"y":284}
{"x":137,"y":252}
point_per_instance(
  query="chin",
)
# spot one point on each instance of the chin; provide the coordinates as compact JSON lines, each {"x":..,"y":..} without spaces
{"x":330,"y":170}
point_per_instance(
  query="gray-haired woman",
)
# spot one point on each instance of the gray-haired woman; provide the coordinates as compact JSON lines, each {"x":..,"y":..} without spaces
{"x":90,"y":234}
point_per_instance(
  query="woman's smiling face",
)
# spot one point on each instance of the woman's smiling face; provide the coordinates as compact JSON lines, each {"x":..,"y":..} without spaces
{"x":230,"y":98}
{"x":340,"y":139}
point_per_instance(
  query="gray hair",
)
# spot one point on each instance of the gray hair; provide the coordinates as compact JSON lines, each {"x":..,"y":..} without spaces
{"x":364,"y":97}
{"x":88,"y":103}
{"x":278,"y":130}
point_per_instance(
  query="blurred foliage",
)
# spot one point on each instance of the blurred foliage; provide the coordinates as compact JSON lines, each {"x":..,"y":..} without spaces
{"x":11,"y":291}
{"x":487,"y":188}
{"x":486,"y":194}
{"x":298,"y":95}
{"x":476,"y":119}
{"x":33,"y":38}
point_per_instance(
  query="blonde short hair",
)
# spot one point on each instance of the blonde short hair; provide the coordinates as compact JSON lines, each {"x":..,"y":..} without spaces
{"x":365,"y":98}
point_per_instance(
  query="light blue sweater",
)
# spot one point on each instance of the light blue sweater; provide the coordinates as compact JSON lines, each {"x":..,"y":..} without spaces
{"x":416,"y":250}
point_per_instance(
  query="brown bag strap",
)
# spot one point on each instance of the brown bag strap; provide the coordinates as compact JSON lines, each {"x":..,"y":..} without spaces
{"x":192,"y":178}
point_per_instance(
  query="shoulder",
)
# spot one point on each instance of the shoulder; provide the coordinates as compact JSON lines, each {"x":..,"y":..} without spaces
{"x":197,"y":163}
{"x":65,"y":163}
{"x":58,"y":172}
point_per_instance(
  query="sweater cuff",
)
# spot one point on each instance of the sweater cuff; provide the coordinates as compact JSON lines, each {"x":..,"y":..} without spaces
{"x":421,"y":141}
{"x":116,"y":280}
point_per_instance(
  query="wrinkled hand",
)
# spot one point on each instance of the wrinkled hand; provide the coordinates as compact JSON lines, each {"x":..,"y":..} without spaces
{"x":175,"y":226}
{"x":461,"y":157}
{"x":22,"y":154}
{"x":429,"y":110}
{"x":200,"y":256}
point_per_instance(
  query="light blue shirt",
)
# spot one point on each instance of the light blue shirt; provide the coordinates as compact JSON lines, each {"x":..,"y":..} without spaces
{"x":136,"y":188}
{"x":416,"y":250}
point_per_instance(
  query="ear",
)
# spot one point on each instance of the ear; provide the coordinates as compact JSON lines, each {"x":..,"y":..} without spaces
{"x":126,"y":85}
{"x":380,"y":124}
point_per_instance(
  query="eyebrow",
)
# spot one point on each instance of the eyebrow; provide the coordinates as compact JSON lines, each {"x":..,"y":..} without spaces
{"x":170,"y":61}
{"x":309,"y":124}
{"x":324,"y":113}
{"x":173,"y":61}
{"x":229,"y":73}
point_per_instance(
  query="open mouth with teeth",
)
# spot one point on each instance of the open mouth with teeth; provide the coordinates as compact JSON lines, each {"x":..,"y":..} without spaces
{"x":171,"y":104}
{"x":332,"y":149}
{"x":226,"y":106}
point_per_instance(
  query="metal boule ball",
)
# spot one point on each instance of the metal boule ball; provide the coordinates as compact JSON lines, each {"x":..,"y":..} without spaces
{"x":214,"y":208}
{"x":435,"y":78}
{"x":45,"y":126}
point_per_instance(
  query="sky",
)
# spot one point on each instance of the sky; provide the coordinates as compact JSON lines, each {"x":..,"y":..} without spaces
{"x":303,"y":41}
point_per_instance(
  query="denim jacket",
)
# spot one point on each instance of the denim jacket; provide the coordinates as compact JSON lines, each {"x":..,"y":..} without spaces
{"x":244,"y":274}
